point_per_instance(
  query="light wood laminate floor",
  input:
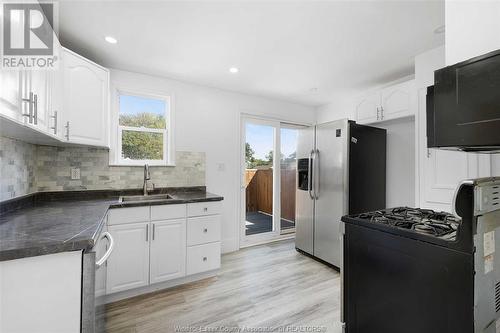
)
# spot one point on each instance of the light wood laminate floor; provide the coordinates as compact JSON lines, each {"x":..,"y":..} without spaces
{"x":265,"y":286}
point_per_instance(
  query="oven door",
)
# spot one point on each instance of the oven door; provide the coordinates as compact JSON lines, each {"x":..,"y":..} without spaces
{"x":94,"y":284}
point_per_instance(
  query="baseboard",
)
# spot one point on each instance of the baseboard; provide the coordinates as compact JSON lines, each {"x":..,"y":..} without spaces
{"x":230,"y":245}
{"x":158,"y":286}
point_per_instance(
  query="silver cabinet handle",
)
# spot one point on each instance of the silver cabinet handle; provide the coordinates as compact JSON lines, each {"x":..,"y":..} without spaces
{"x":108,"y":252}
{"x":204,"y":258}
{"x":154,"y":231}
{"x":55,"y":122}
{"x":147,"y":232}
{"x":205,"y":230}
{"x":30,"y":107}
{"x":309,"y":180}
{"x":378,"y":113}
{"x":67,"y":130}
{"x":205,"y":209}
{"x":381,"y":113}
{"x":35,"y":107}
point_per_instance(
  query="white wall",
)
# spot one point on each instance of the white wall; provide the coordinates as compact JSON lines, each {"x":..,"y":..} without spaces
{"x":472,"y":29}
{"x":400,"y":161}
{"x":208,"y":120}
{"x":343,"y":107}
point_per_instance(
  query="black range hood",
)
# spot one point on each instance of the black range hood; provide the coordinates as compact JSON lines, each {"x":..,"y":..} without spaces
{"x":463,"y":106}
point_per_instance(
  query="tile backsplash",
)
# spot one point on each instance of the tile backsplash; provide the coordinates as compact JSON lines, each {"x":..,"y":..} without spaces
{"x":17,"y":168}
{"x":26,"y":168}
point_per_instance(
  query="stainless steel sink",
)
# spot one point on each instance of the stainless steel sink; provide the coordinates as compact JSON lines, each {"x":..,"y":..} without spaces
{"x":151,"y":197}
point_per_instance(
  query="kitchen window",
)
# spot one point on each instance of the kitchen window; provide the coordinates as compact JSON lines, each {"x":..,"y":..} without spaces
{"x":144,"y":129}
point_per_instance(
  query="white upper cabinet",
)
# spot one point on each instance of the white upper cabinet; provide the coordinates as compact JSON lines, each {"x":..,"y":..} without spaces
{"x":39,"y":93}
{"x":10,"y":94}
{"x":68,"y":104}
{"x":389,"y":103}
{"x":86,"y":90}
{"x":396,"y":100}
{"x":168,"y":250}
{"x":368,"y":108}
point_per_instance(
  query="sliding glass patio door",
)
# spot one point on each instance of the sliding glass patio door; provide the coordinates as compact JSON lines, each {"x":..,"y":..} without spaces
{"x":268,"y":180}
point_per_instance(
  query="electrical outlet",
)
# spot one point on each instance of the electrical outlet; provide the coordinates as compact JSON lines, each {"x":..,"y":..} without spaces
{"x":75,"y":173}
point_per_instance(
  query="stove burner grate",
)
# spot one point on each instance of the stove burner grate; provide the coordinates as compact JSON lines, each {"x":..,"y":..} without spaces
{"x":422,"y":221}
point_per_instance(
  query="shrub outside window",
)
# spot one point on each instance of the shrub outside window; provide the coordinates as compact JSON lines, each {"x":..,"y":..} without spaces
{"x":143,"y":129}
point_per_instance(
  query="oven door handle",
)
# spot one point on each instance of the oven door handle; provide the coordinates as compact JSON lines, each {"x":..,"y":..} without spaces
{"x":106,"y":255}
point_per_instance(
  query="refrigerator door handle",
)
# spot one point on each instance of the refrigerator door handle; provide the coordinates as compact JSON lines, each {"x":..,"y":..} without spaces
{"x":309,"y":180}
{"x":316,"y":186}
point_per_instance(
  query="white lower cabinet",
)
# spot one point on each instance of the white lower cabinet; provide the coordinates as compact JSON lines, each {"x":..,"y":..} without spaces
{"x":168,"y":250}
{"x":202,"y":258}
{"x":172,"y":241}
{"x":128,"y":265}
{"x":203,"y":230}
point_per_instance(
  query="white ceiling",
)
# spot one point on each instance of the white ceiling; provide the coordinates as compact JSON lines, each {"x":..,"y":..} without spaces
{"x":283,"y":49}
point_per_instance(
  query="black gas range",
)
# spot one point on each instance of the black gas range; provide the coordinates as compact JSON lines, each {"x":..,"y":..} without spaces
{"x":417,"y":270}
{"x":422,"y":224}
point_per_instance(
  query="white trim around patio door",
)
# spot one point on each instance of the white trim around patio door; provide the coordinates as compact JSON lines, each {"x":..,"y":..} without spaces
{"x":275,"y":233}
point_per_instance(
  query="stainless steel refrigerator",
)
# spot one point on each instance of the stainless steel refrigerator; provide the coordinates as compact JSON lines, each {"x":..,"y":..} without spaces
{"x":341,"y":169}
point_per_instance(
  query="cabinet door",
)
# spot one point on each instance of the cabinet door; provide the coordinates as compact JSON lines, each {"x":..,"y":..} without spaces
{"x":396,"y":100}
{"x":128,"y":265}
{"x":10,"y":94}
{"x":367,"y":108}
{"x":168,"y":250}
{"x":39,"y":86}
{"x":86,"y":88}
{"x":55,"y":104}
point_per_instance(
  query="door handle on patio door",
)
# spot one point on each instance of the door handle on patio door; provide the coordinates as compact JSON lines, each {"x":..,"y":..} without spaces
{"x":316,"y":186}
{"x":309,"y":179}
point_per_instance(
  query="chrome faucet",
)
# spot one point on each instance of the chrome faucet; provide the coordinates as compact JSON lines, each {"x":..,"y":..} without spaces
{"x":146,"y":178}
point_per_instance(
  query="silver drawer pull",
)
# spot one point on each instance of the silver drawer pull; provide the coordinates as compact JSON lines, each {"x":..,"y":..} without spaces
{"x":205,"y":230}
{"x":204,"y":258}
{"x":205,"y":209}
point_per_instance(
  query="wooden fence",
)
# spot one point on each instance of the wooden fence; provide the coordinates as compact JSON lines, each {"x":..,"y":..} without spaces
{"x":259,"y":191}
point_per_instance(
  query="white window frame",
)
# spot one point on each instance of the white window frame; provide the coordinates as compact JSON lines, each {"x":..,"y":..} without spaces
{"x":168,"y":145}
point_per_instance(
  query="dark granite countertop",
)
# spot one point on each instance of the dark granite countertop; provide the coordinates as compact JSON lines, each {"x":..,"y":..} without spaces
{"x":52,"y":222}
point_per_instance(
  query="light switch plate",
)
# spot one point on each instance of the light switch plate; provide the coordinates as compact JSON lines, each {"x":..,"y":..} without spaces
{"x":75,"y":173}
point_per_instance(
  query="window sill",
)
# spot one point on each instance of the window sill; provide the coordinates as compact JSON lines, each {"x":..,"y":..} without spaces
{"x":141,"y":164}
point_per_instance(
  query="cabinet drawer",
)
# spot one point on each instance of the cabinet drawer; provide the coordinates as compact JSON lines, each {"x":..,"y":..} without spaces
{"x":167,"y":212}
{"x":128,"y":215}
{"x":202,"y":258}
{"x":204,"y":208}
{"x":201,"y":230}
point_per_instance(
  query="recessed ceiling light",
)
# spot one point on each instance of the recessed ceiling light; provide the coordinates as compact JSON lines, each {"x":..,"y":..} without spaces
{"x":439,"y":30}
{"x":110,"y":40}
{"x":234,"y":70}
